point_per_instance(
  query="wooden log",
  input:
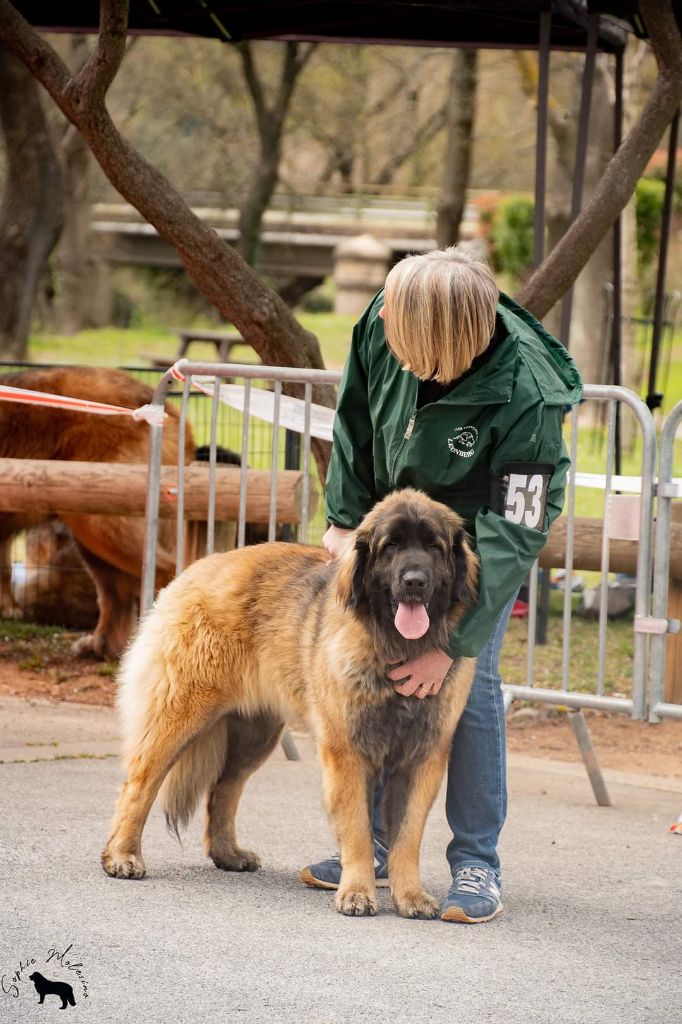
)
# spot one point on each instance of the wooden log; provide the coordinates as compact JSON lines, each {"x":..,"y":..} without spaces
{"x":51,"y":487}
{"x":587,"y":548}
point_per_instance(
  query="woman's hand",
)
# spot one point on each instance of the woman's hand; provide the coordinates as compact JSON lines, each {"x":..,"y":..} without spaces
{"x":335,"y":540}
{"x":421,"y":677}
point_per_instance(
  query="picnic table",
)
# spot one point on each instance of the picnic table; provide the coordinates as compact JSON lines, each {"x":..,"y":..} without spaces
{"x":223,"y":341}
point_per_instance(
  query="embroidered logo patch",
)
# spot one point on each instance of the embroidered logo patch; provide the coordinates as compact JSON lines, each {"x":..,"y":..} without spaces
{"x":463,"y":441}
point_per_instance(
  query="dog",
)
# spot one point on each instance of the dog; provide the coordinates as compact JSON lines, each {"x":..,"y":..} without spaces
{"x":241,"y":640}
{"x":45,"y":987}
{"x":110,"y":546}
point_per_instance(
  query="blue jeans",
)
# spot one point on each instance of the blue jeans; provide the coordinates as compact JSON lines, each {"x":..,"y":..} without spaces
{"x":476,"y":797}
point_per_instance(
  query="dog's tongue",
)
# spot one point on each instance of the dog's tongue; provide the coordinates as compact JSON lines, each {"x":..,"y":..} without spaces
{"x":411,"y":620}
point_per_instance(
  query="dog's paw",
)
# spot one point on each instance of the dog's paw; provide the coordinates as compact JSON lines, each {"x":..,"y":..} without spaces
{"x":122,"y":865}
{"x":233,"y":858}
{"x":356,"y":902}
{"x":90,"y":646}
{"x":416,"y":904}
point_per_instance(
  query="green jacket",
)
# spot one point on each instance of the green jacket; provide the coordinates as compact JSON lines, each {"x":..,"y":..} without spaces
{"x":461,"y":450}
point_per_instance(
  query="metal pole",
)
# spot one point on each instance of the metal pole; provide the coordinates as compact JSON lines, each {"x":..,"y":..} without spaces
{"x":539,"y":609}
{"x":241,"y":528}
{"x":581,"y":155}
{"x":272,"y":523}
{"x":570,"y":538}
{"x":644,"y":547}
{"x":308,"y":393}
{"x":654,"y":399}
{"x":292,"y":460}
{"x":582,"y":734}
{"x":152,"y":503}
{"x":541,"y":139}
{"x":617,"y":298}
{"x":604,"y":585}
{"x":180,"y":522}
{"x":212,"y":464}
{"x":662,"y":555}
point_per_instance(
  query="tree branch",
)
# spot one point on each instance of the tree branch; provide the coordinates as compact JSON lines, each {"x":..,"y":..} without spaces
{"x":430,"y":128}
{"x":98,"y":72}
{"x":38,"y":56}
{"x":616,"y":185}
{"x":254,"y":85}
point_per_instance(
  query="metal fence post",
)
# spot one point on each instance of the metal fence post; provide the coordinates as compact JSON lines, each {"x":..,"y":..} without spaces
{"x":666,"y":492}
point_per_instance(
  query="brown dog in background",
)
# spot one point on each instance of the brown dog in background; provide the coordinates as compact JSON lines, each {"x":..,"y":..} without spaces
{"x":241,"y":641}
{"x":111,"y":546}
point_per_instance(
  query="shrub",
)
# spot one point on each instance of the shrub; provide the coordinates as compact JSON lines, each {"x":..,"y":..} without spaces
{"x":512,"y":235}
{"x":649,"y":206}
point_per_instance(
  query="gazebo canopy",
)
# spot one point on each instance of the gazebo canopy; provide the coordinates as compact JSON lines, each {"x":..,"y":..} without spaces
{"x":488,"y":24}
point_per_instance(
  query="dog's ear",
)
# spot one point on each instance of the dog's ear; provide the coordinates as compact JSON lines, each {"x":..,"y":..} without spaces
{"x":465,"y":578}
{"x":350,"y":581}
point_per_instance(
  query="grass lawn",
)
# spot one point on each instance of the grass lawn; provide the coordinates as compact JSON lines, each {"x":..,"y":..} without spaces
{"x":115,"y":346}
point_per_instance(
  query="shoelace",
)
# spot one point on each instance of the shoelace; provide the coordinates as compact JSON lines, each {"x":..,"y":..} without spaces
{"x":471,"y":880}
{"x":378,"y":862}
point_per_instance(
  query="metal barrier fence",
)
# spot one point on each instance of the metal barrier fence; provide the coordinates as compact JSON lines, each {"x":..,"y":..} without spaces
{"x":567,"y":695}
{"x":636,"y":706}
{"x":667,"y":490}
{"x":184,"y":370}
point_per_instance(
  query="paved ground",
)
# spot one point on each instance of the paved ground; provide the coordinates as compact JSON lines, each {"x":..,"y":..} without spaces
{"x":592,"y":930}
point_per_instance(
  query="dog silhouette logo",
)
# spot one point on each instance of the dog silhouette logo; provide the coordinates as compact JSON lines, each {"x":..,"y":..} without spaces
{"x":45,"y":987}
{"x":463,"y":441}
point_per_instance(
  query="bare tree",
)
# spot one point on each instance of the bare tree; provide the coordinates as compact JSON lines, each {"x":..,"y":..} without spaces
{"x":459,"y":122}
{"x":31,"y":212}
{"x":270,"y":117}
{"x":218,"y":270}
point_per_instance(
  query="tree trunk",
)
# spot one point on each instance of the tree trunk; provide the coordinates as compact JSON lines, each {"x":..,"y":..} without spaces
{"x":31,"y":212}
{"x":270,"y":118}
{"x":253,"y":209}
{"x":459,"y":146}
{"x":74,"y":268}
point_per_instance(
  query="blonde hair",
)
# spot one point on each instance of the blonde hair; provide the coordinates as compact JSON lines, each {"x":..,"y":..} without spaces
{"x":439,"y":312}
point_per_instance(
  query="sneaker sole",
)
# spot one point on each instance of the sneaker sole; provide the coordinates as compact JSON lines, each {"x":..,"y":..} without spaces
{"x":457,"y":914}
{"x":308,"y":878}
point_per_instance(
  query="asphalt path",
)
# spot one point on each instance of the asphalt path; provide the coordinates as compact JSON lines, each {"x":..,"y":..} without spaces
{"x":592,"y":930}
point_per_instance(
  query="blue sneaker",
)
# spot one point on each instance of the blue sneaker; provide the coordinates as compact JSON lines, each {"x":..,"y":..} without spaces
{"x":327,"y":874}
{"x":474,"y":896}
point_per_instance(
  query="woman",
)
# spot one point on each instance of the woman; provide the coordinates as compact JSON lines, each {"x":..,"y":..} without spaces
{"x":453,"y":388}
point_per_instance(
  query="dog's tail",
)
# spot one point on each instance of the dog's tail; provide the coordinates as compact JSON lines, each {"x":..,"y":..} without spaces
{"x":195,"y":772}
{"x":69,"y":997}
{"x":146,"y":688}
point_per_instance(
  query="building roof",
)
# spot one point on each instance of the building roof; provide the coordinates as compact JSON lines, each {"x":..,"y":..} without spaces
{"x":472,"y":23}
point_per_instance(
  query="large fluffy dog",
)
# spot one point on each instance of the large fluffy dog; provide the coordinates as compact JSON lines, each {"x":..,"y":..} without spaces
{"x":111,"y":546}
{"x":240,"y":640}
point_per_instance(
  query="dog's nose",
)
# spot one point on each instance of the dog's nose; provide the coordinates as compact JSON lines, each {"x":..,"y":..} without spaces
{"x":415,"y":580}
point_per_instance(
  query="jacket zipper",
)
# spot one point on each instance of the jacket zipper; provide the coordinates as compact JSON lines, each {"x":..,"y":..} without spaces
{"x":406,"y":437}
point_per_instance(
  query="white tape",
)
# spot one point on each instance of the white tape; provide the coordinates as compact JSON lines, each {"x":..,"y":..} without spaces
{"x":154,"y":415}
{"x":262,"y":405}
